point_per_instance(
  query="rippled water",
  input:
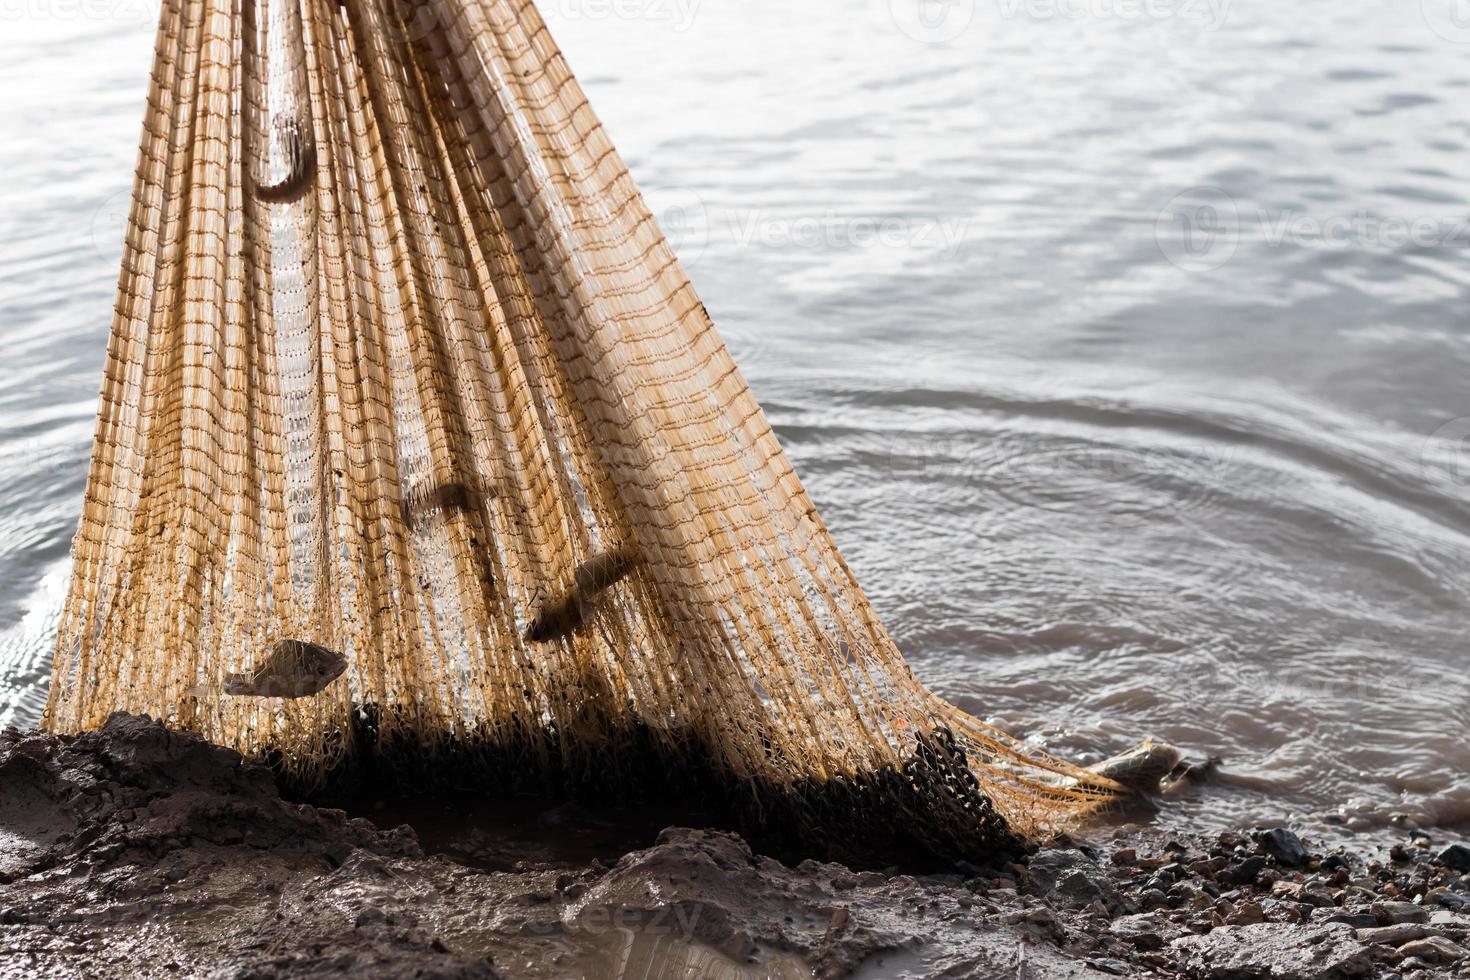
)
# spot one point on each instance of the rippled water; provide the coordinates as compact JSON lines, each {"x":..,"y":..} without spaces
{"x":1122,"y":344}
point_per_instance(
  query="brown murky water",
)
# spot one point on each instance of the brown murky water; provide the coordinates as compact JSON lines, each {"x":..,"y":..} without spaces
{"x":1123,"y":346}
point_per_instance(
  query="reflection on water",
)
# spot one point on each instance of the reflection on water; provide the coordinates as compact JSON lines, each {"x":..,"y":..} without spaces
{"x":1124,"y":354}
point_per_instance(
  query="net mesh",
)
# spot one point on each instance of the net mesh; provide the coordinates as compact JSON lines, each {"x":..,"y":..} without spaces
{"x":398,"y":349}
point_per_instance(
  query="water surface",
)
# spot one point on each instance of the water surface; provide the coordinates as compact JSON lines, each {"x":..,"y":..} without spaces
{"x":1122,"y":346}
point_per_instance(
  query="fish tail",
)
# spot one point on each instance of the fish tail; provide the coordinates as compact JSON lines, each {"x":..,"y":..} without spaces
{"x":556,"y":620}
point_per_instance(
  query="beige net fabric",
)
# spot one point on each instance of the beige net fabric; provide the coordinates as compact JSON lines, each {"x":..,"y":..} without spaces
{"x":397,"y":347}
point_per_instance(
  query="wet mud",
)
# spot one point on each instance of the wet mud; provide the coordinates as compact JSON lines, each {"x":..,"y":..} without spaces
{"x":137,"y":851}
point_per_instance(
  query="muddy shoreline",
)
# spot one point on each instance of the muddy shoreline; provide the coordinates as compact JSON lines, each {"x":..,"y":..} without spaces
{"x":141,"y":852}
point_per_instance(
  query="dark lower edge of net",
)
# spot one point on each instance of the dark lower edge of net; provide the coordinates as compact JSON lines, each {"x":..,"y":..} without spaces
{"x":925,"y":814}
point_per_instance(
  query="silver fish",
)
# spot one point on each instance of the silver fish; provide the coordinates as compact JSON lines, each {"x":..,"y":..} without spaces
{"x":293,"y":669}
{"x":1141,"y":768}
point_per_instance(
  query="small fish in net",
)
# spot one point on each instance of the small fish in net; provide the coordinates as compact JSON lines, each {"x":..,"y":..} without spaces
{"x":561,"y":616}
{"x":293,"y":669}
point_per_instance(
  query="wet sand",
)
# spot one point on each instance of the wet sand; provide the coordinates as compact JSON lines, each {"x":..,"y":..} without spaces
{"x":142,"y":852}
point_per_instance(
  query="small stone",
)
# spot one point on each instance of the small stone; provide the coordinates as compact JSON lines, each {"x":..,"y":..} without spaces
{"x":1153,"y":898}
{"x":1433,"y":949}
{"x":1273,"y":950}
{"x":1285,"y":912}
{"x":1393,"y":913}
{"x":1072,"y":878}
{"x":1456,"y":857}
{"x":1453,"y":902}
{"x":1242,"y":873}
{"x":1320,"y":897}
{"x":1160,"y":883}
{"x":370,"y":916}
{"x":1126,"y":857}
{"x":1115,"y":967}
{"x":1358,"y":920}
{"x":1246,"y":914}
{"x":1286,"y":847}
{"x":1207,"y":867}
{"x":1397,"y":935}
{"x":1139,"y":931}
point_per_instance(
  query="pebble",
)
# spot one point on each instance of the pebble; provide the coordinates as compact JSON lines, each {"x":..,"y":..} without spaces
{"x":1115,"y":967}
{"x":1456,"y":857}
{"x":1286,"y":847}
{"x":1396,"y":935}
{"x":1358,"y":920}
{"x":1153,"y":898}
{"x":1246,"y":914}
{"x":1272,"y":951}
{"x":1139,"y":931}
{"x":1244,"y":872}
{"x":1433,"y":949}
{"x":1392,"y":913}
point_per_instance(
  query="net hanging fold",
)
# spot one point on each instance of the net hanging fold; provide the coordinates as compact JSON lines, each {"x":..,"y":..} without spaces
{"x":399,"y":354}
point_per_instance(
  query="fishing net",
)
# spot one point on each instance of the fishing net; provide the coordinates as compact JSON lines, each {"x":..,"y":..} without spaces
{"x":399,"y":354}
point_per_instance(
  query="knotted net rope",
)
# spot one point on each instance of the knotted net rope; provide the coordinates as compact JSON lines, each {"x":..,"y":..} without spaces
{"x":397,"y":347}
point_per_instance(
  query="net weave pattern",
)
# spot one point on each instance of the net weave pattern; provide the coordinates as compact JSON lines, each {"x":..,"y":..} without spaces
{"x":397,"y":346}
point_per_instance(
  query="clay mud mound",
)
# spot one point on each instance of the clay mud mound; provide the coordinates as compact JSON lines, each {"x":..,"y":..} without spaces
{"x":137,"y":851}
